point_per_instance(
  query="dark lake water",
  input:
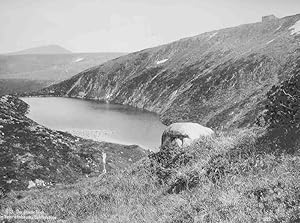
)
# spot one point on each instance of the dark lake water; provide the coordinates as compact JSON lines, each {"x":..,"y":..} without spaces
{"x":98,"y":121}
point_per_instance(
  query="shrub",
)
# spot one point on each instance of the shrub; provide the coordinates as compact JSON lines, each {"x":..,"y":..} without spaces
{"x":282,"y":115}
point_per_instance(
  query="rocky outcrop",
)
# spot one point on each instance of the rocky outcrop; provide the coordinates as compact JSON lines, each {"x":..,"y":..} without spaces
{"x":184,"y":134}
{"x":31,"y":154}
{"x":269,"y":18}
{"x":218,"y":79}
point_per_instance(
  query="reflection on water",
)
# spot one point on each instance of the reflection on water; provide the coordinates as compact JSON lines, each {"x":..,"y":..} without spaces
{"x":98,"y":121}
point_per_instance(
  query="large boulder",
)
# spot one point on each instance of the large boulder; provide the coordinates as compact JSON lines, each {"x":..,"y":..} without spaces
{"x":184,"y":134}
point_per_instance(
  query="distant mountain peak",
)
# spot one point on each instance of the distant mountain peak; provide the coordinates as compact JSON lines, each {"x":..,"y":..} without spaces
{"x":47,"y":49}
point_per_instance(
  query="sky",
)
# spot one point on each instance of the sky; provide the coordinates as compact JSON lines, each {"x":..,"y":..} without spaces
{"x":124,"y":25}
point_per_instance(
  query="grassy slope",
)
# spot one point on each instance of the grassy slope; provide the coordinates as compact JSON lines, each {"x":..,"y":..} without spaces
{"x":226,"y":179}
{"x":29,"y":151}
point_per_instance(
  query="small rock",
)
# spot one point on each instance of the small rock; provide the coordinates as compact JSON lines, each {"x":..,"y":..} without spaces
{"x":184,"y":134}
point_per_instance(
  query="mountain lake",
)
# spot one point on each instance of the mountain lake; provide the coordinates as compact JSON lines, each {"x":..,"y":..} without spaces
{"x":98,"y":121}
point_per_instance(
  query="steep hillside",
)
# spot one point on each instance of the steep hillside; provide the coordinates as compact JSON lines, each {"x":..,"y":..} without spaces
{"x":49,"y":49}
{"x":30,"y":152}
{"x":219,"y":78}
{"x":23,"y":73}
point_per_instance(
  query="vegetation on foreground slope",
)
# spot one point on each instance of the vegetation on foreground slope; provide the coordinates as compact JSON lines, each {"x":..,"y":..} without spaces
{"x":226,"y":179}
{"x":29,"y":151}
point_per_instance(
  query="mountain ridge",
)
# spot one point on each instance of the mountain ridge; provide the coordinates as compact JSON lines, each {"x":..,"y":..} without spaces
{"x":46,"y":49}
{"x":218,"y":78}
{"x":23,"y":73}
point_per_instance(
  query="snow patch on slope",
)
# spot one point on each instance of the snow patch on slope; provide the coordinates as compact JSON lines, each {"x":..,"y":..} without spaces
{"x":161,"y":61}
{"x":75,"y":85}
{"x":295,"y":29}
{"x":278,"y":28}
{"x":79,"y":59}
{"x":212,"y":35}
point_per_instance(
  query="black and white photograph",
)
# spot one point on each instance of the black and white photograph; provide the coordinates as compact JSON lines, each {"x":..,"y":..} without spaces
{"x":150,"y":111}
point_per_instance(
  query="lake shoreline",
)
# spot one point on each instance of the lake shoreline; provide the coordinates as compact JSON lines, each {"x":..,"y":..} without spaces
{"x":39,"y":94}
{"x":145,"y":120}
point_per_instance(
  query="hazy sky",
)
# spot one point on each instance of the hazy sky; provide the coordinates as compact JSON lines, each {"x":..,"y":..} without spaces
{"x":123,"y":25}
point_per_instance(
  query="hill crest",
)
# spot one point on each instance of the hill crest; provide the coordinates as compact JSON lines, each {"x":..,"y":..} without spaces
{"x":48,"y":49}
{"x":219,"y":78}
